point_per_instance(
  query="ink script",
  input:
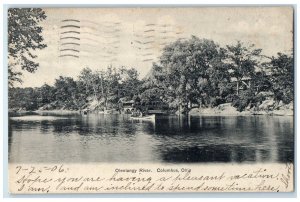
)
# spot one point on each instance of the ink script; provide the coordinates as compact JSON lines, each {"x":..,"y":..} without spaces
{"x":60,"y":178}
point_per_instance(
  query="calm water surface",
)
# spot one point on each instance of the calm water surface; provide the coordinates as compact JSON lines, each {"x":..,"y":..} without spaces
{"x":117,"y":138}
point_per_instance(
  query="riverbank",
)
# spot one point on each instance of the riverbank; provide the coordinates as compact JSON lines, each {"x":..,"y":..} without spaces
{"x":13,"y":112}
{"x":268,"y":107}
{"x":216,"y":111}
{"x":228,"y":110}
{"x":58,"y":111}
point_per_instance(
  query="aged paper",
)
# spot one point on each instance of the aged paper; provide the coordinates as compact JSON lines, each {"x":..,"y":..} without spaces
{"x":150,"y":178}
{"x":151,"y":100}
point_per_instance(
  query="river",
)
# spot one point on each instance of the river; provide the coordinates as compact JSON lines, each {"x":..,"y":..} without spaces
{"x":170,"y":139}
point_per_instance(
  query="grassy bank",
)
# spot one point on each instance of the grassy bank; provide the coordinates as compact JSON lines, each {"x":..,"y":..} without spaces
{"x":228,"y":110}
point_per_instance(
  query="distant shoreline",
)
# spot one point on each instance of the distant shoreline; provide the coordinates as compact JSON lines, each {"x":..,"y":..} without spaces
{"x":193,"y":112}
{"x":63,"y":111}
{"x":55,"y":111}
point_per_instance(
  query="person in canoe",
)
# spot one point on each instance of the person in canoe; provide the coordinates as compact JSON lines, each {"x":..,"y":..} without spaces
{"x":137,"y":113}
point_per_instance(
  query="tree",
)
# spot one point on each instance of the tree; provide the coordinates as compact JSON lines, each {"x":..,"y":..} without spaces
{"x":189,"y":65}
{"x":28,"y":99}
{"x":242,"y":61}
{"x":112,"y":86}
{"x":129,"y":83}
{"x":24,"y":37}
{"x":90,"y":80}
{"x":66,"y":93}
{"x":45,"y":95}
{"x":282,"y":77}
{"x":155,"y":85}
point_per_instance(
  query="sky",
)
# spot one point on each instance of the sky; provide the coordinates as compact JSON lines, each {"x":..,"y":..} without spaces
{"x":134,"y":37}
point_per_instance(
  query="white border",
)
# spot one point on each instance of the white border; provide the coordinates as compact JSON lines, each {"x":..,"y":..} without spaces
{"x":118,"y":3}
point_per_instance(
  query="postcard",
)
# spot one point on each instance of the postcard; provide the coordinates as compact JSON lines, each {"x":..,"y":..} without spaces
{"x":150,"y":100}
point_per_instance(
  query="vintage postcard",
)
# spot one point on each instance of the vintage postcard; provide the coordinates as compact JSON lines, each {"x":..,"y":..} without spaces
{"x":150,"y":100}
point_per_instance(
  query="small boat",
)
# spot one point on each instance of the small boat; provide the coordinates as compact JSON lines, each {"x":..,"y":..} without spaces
{"x":145,"y":118}
{"x":84,"y":112}
{"x":110,"y":111}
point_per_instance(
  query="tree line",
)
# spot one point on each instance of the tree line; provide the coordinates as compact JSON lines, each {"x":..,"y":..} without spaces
{"x":200,"y":72}
{"x":190,"y":73}
{"x":105,"y":87}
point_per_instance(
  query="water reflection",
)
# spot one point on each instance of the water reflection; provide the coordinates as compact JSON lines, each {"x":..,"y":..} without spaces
{"x":117,"y":138}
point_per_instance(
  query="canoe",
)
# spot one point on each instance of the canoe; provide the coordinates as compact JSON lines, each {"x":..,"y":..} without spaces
{"x":145,"y":118}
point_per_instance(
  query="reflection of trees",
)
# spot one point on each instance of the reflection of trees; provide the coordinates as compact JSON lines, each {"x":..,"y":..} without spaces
{"x":93,"y":124}
{"x":63,"y":126}
{"x":224,"y":139}
{"x":210,"y":153}
{"x":10,"y":138}
{"x":285,"y":138}
{"x":113,"y":125}
{"x":45,"y":126}
{"x":147,"y":126}
{"x":169,"y":139}
{"x":197,"y":154}
{"x":188,"y":125}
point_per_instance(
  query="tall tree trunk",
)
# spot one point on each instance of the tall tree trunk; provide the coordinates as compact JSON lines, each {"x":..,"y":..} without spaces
{"x":237,"y":87}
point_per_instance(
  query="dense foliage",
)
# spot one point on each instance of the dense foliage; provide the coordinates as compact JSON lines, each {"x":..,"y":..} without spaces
{"x":190,"y":73}
{"x":24,"y":37}
{"x":282,"y":77}
{"x":105,"y":87}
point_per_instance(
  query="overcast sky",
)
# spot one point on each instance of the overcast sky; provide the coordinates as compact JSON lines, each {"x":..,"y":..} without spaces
{"x":134,"y":37}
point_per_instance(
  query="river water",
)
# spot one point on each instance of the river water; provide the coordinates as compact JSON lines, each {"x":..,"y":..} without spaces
{"x":116,"y":138}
